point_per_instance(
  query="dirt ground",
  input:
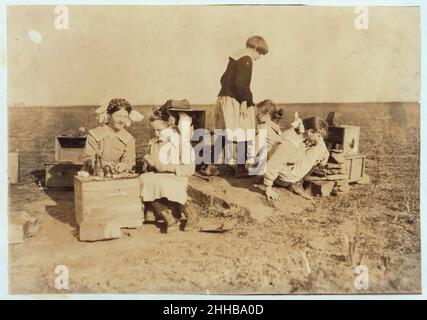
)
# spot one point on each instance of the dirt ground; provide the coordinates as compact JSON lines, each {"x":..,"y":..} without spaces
{"x":290,"y":252}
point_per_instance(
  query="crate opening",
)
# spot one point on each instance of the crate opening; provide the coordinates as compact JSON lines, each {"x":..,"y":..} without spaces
{"x":72,"y":142}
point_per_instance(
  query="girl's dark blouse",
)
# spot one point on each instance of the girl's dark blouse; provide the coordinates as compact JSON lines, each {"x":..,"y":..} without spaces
{"x":236,"y":80}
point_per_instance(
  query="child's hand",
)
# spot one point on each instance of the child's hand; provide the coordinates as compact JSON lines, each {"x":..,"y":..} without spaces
{"x":271,"y":194}
{"x":121,"y":167}
{"x":318,"y":138}
{"x":298,"y":124}
{"x":165,"y":168}
{"x":244,"y":109}
{"x":315,"y":140}
{"x":145,"y":166}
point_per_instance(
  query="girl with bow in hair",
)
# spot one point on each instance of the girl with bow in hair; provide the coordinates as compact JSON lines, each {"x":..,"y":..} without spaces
{"x":268,"y":135}
{"x":268,"y":117}
{"x":111,"y":141}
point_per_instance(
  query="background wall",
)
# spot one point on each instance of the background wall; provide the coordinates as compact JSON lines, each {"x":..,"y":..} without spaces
{"x":149,"y":54}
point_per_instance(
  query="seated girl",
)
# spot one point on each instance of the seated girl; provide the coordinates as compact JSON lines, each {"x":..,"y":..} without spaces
{"x":111,"y":141}
{"x":171,"y":162}
{"x":299,"y":151}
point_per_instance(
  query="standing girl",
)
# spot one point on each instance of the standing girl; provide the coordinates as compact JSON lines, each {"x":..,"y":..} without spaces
{"x":235,"y":107}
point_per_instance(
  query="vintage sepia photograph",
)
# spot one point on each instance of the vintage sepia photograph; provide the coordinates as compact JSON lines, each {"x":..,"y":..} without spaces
{"x":213,"y":149}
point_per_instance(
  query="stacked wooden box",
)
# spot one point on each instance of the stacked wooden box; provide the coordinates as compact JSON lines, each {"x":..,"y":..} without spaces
{"x":344,"y":140}
{"x":345,"y":164}
{"x":13,"y":168}
{"x":198,"y":119}
{"x":21,"y":225}
{"x":104,"y":206}
{"x":69,"y":153}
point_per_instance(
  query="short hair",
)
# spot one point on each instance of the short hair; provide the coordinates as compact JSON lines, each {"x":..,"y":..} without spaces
{"x":117,"y":104}
{"x":269,"y":107}
{"x":258,"y":43}
{"x":317,"y":124}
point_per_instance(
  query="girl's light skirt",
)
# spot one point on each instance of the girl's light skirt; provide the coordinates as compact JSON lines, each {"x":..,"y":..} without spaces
{"x":164,"y":185}
{"x":228,"y":116}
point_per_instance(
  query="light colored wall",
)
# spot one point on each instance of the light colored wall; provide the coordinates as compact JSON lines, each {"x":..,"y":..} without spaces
{"x":150,"y":54}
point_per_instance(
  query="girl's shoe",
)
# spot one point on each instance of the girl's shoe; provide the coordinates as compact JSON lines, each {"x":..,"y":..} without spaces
{"x":210,"y":170}
{"x":190,"y":220}
{"x":166,"y":227}
{"x":173,"y":227}
{"x":241,"y":171}
{"x":298,"y":189}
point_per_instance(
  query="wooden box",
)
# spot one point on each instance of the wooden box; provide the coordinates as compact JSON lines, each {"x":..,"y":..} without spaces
{"x":198,"y":116}
{"x":13,"y":168}
{"x":70,"y":149}
{"x":355,"y":166}
{"x":69,"y":154}
{"x":61,"y":174}
{"x":117,"y":200}
{"x":345,"y":138}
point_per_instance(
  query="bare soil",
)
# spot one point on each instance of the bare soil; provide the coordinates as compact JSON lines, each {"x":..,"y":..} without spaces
{"x":290,"y":252}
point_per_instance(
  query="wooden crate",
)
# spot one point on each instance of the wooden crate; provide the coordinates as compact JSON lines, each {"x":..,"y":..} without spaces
{"x":13,"y":168}
{"x":355,"y":165}
{"x":198,"y":117}
{"x":117,"y":200}
{"x":345,"y":138}
{"x":70,"y":149}
{"x":61,"y":174}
